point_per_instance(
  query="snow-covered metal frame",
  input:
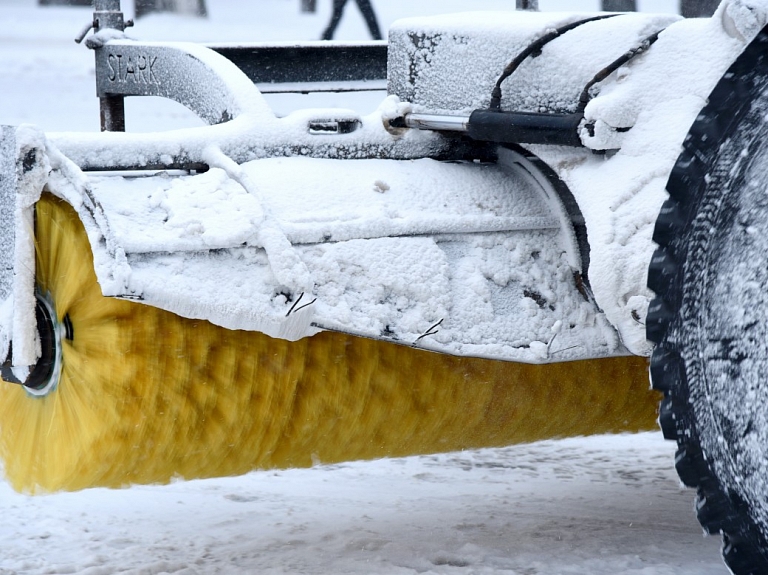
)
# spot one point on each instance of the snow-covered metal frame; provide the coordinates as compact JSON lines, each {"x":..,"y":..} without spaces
{"x":634,"y":121}
{"x":7,"y":206}
{"x":23,"y":172}
{"x":197,"y":78}
{"x":397,"y":297}
{"x":244,"y":129}
{"x":285,"y":235}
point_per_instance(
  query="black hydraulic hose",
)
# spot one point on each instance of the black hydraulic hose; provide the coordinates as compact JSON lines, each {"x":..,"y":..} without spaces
{"x":613,"y":66}
{"x":553,"y":129}
{"x":533,"y":49}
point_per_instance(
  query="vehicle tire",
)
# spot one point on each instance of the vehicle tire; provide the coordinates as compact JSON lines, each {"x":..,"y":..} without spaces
{"x":710,"y":316}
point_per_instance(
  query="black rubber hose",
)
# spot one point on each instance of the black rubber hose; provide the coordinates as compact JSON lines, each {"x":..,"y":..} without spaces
{"x":534,"y":49}
{"x":615,"y":65}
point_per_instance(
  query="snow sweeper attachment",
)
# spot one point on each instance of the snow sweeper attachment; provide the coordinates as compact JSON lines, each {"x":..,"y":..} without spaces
{"x":466,"y":266}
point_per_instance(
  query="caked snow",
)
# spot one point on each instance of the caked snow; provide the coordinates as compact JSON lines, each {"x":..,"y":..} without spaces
{"x":391,"y":247}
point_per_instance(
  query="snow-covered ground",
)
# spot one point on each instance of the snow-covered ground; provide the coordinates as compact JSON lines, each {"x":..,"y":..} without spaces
{"x":600,"y":505}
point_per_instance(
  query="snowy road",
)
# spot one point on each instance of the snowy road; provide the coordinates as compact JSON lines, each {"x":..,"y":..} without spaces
{"x":603,"y":505}
{"x":597,"y":506}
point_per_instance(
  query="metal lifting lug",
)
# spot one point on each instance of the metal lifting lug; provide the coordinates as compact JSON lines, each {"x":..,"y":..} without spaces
{"x":84,"y":32}
{"x":105,"y":16}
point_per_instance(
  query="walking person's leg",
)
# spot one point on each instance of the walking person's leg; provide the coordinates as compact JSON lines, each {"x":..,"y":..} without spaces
{"x":338,"y":9}
{"x":370,"y":18}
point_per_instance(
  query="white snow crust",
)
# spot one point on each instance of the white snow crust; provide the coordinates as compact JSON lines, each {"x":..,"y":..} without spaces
{"x":653,"y":99}
{"x":30,"y":145}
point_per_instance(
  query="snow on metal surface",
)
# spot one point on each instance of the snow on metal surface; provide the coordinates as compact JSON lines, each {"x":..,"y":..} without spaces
{"x":620,"y":193}
{"x":392,"y":247}
{"x":318,"y":200}
{"x":252,"y":136}
{"x":657,"y":96}
{"x":32,"y":169}
{"x":451,"y":63}
{"x":7,"y":235}
{"x":7,"y":206}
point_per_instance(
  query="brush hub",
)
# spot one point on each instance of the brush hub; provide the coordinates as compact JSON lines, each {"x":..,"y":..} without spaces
{"x":44,"y":375}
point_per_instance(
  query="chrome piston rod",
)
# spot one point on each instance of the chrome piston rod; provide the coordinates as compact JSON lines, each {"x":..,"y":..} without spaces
{"x":504,"y":127}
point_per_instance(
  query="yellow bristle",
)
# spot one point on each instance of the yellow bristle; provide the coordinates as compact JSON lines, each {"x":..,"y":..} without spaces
{"x":146,"y":396}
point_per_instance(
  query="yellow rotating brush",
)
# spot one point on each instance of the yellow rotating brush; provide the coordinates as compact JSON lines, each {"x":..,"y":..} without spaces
{"x":145,"y":395}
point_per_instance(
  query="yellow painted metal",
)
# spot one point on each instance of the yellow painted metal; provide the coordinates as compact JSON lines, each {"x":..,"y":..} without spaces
{"x":146,"y":396}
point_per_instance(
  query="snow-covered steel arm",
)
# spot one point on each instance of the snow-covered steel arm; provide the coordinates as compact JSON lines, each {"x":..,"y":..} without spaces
{"x":196,"y":77}
{"x":7,"y":235}
{"x":23,"y":172}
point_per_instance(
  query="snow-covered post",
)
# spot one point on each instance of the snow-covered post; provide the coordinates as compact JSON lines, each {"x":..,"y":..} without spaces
{"x":309,"y":5}
{"x":107,"y":15}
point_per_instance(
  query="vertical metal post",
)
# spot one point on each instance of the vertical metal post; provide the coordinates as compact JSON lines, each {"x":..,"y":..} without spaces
{"x":309,"y":6}
{"x":112,"y":113}
{"x":107,"y":14}
{"x":527,"y":4}
{"x":698,"y":8}
{"x":619,"y":6}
